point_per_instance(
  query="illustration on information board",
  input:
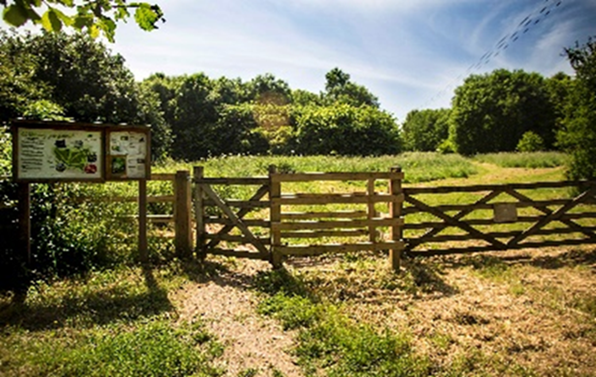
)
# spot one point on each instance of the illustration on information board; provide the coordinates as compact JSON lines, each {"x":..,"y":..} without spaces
{"x":128,"y":154}
{"x":78,"y":156}
{"x":55,"y":153}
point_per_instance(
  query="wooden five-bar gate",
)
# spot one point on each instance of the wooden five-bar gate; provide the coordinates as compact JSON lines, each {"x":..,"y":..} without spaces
{"x":503,"y":217}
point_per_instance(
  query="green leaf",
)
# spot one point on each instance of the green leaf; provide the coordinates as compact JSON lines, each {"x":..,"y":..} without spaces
{"x":50,"y":21}
{"x":146,"y":16}
{"x":94,"y":31}
{"x":15,"y":15}
{"x":67,"y":20}
{"x":82,"y":21}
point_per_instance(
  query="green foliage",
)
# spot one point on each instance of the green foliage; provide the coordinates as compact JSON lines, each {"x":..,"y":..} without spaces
{"x":578,"y":135}
{"x":530,"y":142}
{"x":425,"y":130}
{"x":491,"y":112}
{"x":345,"y":130}
{"x":94,"y":17}
{"x":534,"y":160}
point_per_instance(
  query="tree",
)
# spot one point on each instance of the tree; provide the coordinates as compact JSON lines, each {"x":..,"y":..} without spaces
{"x":578,"y":134}
{"x":491,"y":112}
{"x":79,"y":76}
{"x":93,"y":16}
{"x":339,"y":89}
{"x":425,"y":130}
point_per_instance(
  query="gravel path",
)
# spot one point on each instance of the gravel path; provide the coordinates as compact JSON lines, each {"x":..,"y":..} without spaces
{"x":228,"y":309}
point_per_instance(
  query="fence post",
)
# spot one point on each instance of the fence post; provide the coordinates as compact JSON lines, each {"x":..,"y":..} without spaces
{"x":395,"y":208}
{"x":143,"y":254}
{"x":183,"y":240}
{"x":25,"y":219}
{"x":274,"y":216}
{"x":198,"y":174}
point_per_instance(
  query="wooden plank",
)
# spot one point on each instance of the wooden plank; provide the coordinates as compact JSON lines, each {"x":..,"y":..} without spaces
{"x":336,"y":248}
{"x":552,"y":217}
{"x":129,"y":199}
{"x":158,"y":219}
{"x":396,"y":212}
{"x":370,"y":191}
{"x":142,"y":197}
{"x":515,"y":186}
{"x":329,"y":233}
{"x":323,"y":215}
{"x":338,"y":176}
{"x":198,"y":202}
{"x":229,"y":225}
{"x":315,"y":225}
{"x":249,"y":204}
{"x":182,"y":218}
{"x":24,"y":204}
{"x":578,"y":216}
{"x":336,"y":199}
{"x":162,"y":177}
{"x":237,"y":254}
{"x":238,"y":239}
{"x":453,"y":222}
{"x":442,"y":225}
{"x":489,"y":206}
{"x":254,"y":181}
{"x":235,"y":219}
{"x":275,"y":216}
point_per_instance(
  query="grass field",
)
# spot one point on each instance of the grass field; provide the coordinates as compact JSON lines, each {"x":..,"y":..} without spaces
{"x":523,"y":313}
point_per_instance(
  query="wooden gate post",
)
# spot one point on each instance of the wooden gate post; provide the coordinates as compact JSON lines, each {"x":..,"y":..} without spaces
{"x":143,"y":254}
{"x":25,"y":219}
{"x":183,"y":240}
{"x":198,"y":173}
{"x":395,"y":209}
{"x":274,"y":217}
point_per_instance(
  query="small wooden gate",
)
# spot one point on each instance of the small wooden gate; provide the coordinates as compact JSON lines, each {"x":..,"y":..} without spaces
{"x":226,"y":220}
{"x":496,"y":219}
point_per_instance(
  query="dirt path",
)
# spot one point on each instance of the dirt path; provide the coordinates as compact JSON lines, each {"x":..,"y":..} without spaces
{"x":254,"y":345}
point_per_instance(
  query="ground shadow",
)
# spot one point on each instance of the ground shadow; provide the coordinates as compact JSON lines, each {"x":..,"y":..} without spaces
{"x":89,"y":308}
{"x":568,"y":258}
{"x":203,"y":271}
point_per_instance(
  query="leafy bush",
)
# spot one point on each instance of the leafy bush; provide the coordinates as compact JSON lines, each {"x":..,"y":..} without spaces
{"x":530,"y":142}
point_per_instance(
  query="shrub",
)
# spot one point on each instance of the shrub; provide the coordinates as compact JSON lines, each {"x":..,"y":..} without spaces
{"x":530,"y":142}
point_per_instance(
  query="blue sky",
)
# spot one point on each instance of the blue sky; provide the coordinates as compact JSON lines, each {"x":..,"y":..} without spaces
{"x":410,"y":53}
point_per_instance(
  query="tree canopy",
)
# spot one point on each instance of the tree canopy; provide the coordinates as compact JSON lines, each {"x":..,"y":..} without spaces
{"x":504,"y":105}
{"x":93,"y":16}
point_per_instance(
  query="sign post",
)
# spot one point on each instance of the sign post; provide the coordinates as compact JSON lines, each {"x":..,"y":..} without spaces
{"x":46,"y":152}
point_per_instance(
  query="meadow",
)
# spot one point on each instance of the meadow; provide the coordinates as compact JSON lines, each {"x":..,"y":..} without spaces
{"x":523,"y":313}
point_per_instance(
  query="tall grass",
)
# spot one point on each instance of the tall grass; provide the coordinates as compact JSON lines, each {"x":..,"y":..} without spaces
{"x":417,"y":166}
{"x":530,"y":160}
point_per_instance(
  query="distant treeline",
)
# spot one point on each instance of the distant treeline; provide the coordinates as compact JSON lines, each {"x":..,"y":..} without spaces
{"x":59,"y":76}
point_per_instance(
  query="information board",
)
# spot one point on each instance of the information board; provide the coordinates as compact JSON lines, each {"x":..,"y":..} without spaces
{"x":60,"y":151}
{"x":59,"y":154}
